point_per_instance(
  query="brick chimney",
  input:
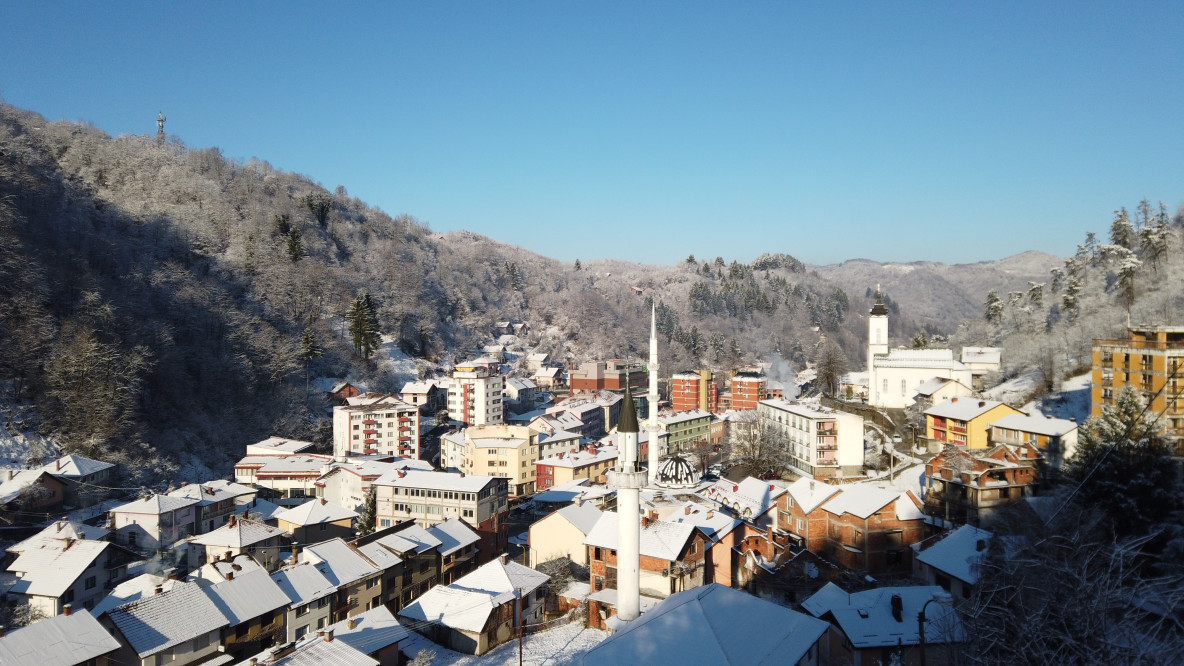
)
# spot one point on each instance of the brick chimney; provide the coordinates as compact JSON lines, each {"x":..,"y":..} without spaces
{"x":229,"y":575}
{"x":645,"y":521}
{"x":502,"y":558}
{"x":67,"y":609}
{"x":159,"y":589}
{"x":328,"y":635}
{"x":353,"y":623}
{"x":686,"y":510}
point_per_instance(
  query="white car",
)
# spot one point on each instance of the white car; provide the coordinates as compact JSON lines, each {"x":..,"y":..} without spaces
{"x":896,"y":439}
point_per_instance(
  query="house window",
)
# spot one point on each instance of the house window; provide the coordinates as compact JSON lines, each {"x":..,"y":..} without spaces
{"x":371,"y":583}
{"x":801,"y":525}
{"x":301,"y":631}
{"x":164,"y":657}
{"x":90,"y":582}
{"x":201,"y":642}
{"x":301,"y":611}
{"x":324,"y":526}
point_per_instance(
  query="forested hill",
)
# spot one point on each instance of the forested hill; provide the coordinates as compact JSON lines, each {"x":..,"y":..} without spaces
{"x":157,"y":301}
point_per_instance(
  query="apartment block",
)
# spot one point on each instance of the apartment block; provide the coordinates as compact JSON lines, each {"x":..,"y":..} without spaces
{"x":475,"y":395}
{"x":1148,"y":360}
{"x":376,"y":424}
{"x":823,"y":442}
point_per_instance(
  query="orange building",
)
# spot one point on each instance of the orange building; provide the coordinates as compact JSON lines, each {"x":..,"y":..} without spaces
{"x":693,"y":390}
{"x":1149,"y":360}
{"x":748,"y":388}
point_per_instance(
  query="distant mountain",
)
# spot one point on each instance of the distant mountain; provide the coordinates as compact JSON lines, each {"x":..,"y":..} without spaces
{"x":942,"y":295}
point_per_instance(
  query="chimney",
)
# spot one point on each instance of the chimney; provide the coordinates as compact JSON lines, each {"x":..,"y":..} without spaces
{"x":321,"y":633}
{"x":980,"y":545}
{"x":352,"y":623}
{"x":579,"y":501}
{"x":710,"y":515}
{"x":159,"y":589}
{"x":897,"y":608}
{"x":253,"y":662}
{"x":226,"y":556}
{"x":735,"y":488}
{"x":2,"y":630}
{"x":982,"y":403}
{"x":172,"y":574}
{"x":59,"y":464}
{"x":67,"y":609}
{"x":232,"y":522}
{"x":502,"y":558}
{"x":686,"y":510}
{"x":772,"y":487}
{"x":329,"y":636}
{"x":229,"y":575}
{"x":322,"y":501}
{"x":645,"y":521}
{"x":69,"y":542}
{"x":954,"y":399}
{"x":295,"y":551}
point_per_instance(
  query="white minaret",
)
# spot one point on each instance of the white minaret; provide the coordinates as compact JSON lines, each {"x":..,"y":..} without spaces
{"x":629,"y":481}
{"x":877,"y":343}
{"x":652,"y":398}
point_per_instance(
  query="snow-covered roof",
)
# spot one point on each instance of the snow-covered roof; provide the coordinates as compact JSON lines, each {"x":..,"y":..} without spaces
{"x":520,"y":383}
{"x":61,"y":639}
{"x":751,"y":497}
{"x":131,"y":590}
{"x":454,"y":535}
{"x":558,"y":436}
{"x":303,"y":583}
{"x":659,"y":539}
{"x":413,"y":538}
{"x":339,"y":563}
{"x":421,"y":387}
{"x":382,"y":557}
{"x":158,"y":622}
{"x":682,"y":417}
{"x":935,"y":384}
{"x":435,"y":480}
{"x":280,"y":445}
{"x":212,"y":492}
{"x":712,"y":624}
{"x":62,"y":529}
{"x":155,"y":505}
{"x":453,"y":607}
{"x":50,"y":567}
{"x":982,"y":355}
{"x":537,"y":357}
{"x":863,"y":500}
{"x":809,"y":410}
{"x":373,"y":630}
{"x":223,"y":569}
{"x":373,"y":400}
{"x":315,"y":512}
{"x":546,"y":372}
{"x":934,"y":359}
{"x":809,"y":494}
{"x":958,"y":554}
{"x":238,"y":534}
{"x":72,"y":466}
{"x":12,"y":488}
{"x":308,"y":465}
{"x":247,"y":595}
{"x":714,"y":524}
{"x":467,"y":603}
{"x":1041,"y":425}
{"x":962,"y":409}
{"x":867,"y":619}
{"x":581,"y":458}
{"x":312,"y":650}
{"x":582,"y":516}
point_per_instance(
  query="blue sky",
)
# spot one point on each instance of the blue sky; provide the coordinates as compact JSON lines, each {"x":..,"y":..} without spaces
{"x":647,"y":131}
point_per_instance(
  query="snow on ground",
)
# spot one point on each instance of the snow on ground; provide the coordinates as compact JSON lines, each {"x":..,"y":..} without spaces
{"x":394,"y":362}
{"x":1072,"y":402}
{"x":561,"y":645}
{"x":18,"y":437}
{"x":908,"y":478}
{"x":1017,"y":388}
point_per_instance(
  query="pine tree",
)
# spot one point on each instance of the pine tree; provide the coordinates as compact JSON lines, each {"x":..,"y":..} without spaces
{"x":362,"y":320}
{"x":1121,"y":231}
{"x":295,"y":245}
{"x":1123,"y":466}
{"x":369,"y":516}
{"x":994,"y":308}
{"x":310,"y":349}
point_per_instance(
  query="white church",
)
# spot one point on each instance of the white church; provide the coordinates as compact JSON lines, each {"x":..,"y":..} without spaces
{"x":894,"y":375}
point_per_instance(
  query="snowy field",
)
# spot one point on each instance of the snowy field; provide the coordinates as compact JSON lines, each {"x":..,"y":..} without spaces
{"x":561,"y":645}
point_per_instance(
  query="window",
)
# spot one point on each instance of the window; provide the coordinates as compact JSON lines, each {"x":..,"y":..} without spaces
{"x":240,"y":632}
{"x":201,"y":642}
{"x":801,"y":525}
{"x":321,"y":622}
{"x":164,"y":657}
{"x":371,"y":583}
{"x":90,"y":582}
{"x":301,"y":631}
{"x":301,"y":611}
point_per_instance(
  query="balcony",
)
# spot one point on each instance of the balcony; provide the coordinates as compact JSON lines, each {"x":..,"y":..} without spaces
{"x":369,"y":422}
{"x":961,"y":430}
{"x":370,"y":431}
{"x":370,"y":440}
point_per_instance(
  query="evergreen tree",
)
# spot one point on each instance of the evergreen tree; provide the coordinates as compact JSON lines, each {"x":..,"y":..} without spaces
{"x":994,"y":308}
{"x":362,"y":320}
{"x":1121,"y":231}
{"x":1123,"y":467}
{"x":310,"y":349}
{"x":369,"y":516}
{"x":295,"y":245}
{"x":578,"y":267}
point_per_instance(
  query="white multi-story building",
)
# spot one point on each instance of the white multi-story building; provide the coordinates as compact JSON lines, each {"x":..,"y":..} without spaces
{"x":376,"y":424}
{"x":823,"y":442}
{"x":505,"y":451}
{"x":429,"y":498}
{"x":475,"y":395}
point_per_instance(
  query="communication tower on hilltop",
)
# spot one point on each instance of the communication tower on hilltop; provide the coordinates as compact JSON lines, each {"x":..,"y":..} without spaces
{"x":160,"y":125}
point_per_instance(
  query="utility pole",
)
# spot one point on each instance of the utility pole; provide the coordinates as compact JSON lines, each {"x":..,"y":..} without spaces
{"x":518,"y":610}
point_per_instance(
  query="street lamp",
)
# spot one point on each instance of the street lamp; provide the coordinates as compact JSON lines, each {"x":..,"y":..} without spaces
{"x":943,"y":599}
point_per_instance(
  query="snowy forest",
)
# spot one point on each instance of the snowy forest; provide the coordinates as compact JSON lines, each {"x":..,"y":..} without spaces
{"x":161,"y":304}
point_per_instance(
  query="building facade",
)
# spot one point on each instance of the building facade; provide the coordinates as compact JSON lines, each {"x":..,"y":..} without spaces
{"x":693,"y":390}
{"x":1149,"y":360}
{"x":822,"y":442}
{"x":376,"y":424}
{"x":505,"y":451}
{"x":475,"y":395}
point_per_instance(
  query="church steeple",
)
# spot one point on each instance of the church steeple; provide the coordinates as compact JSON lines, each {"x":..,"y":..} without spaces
{"x":878,"y":308}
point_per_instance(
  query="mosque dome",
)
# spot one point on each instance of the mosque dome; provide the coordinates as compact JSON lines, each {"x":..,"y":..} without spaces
{"x":675,"y":471}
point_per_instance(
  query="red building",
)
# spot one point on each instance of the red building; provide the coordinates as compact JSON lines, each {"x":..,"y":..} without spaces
{"x":610,"y":376}
{"x":748,"y":388}
{"x":693,"y":390}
